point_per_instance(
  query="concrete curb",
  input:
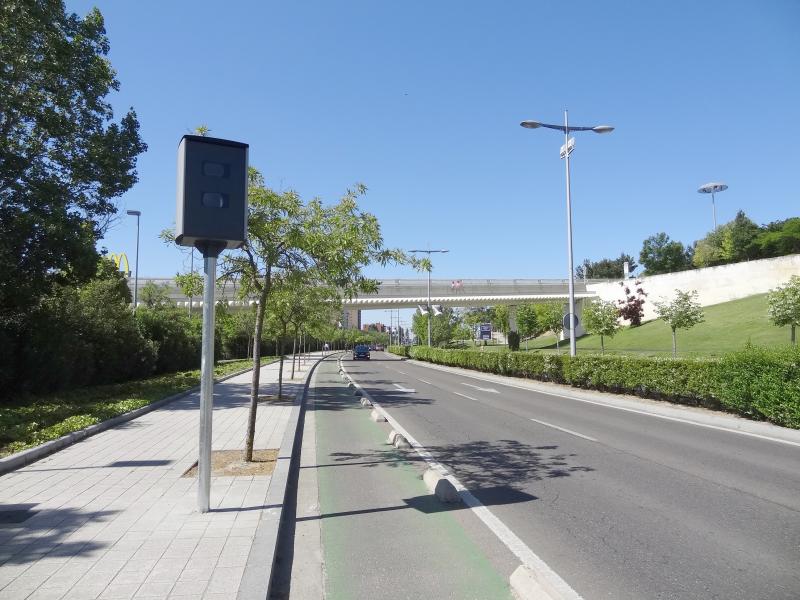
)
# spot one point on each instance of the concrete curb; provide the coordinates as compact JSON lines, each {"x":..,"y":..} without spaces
{"x":257,"y":577}
{"x":20,"y":459}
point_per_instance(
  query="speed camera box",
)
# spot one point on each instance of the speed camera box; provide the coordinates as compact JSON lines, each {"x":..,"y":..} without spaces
{"x":212,"y":192}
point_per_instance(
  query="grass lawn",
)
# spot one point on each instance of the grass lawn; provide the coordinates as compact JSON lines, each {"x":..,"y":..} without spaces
{"x":29,"y":421}
{"x":728,"y":326}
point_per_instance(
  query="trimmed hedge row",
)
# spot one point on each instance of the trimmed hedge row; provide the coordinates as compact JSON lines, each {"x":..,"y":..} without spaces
{"x":759,"y":383}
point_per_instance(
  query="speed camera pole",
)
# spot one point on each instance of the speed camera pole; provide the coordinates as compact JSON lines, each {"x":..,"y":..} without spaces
{"x":211,"y":216}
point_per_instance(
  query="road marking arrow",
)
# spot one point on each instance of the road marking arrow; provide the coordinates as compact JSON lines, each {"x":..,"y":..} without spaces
{"x":482,"y":389}
{"x":400,"y":388}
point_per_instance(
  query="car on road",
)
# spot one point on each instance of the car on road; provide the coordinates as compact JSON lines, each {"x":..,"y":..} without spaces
{"x":379,"y":347}
{"x":361,"y":352}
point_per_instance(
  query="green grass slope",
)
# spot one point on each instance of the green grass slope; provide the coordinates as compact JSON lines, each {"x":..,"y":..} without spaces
{"x":728,"y":326}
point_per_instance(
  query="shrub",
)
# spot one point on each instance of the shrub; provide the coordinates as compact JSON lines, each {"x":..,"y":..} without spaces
{"x":513,"y":340}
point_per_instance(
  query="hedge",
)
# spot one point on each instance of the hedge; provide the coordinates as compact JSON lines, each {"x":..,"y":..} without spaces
{"x":759,"y":383}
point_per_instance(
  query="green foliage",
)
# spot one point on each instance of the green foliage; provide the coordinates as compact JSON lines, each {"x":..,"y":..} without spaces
{"x":756,"y":382}
{"x":778,"y":239}
{"x":784,"y":305}
{"x":176,"y":337}
{"x":528,"y":320}
{"x":513,"y":340}
{"x":28,"y":421}
{"x":550,"y":316}
{"x":443,"y":327}
{"x":601,"y":318}
{"x":682,"y":312}
{"x":734,"y":241}
{"x":153,"y":295}
{"x":606,"y":268}
{"x":62,"y":157}
{"x":190,"y":284}
{"x":659,"y":254}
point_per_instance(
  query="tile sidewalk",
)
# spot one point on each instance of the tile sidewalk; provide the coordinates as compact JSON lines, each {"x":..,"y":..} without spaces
{"x":114,"y":518}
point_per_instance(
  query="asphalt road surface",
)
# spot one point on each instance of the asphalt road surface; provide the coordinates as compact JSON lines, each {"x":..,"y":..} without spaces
{"x":619,"y":504}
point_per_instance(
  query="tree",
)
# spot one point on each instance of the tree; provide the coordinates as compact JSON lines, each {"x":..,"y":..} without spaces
{"x":631,"y":307}
{"x":778,"y":239}
{"x":601,"y":318}
{"x":551,"y":317}
{"x":527,"y":321}
{"x":62,"y":157}
{"x":153,"y":295}
{"x":661,"y":255}
{"x":682,"y":312}
{"x":190,"y":284}
{"x":285,"y":235}
{"x":784,"y":305}
{"x":606,"y":268}
{"x":732,"y":242}
{"x":443,"y":326}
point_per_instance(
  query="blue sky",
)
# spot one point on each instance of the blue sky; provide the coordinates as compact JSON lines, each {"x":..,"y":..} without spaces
{"x":421,"y":101}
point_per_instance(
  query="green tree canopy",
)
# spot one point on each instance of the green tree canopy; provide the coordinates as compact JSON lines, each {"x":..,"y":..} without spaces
{"x":601,"y":318}
{"x":550,"y":316}
{"x":659,"y":254}
{"x":682,"y":312}
{"x":62,"y":157}
{"x":784,"y":305}
{"x":606,"y":268}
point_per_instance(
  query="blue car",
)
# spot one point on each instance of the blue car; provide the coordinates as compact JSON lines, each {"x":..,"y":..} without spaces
{"x":361,"y":352}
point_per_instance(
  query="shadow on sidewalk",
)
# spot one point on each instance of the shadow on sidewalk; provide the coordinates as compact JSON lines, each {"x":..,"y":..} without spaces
{"x":26,"y":534}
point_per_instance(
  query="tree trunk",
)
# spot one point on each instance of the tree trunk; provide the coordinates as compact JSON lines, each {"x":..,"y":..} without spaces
{"x":557,"y":348}
{"x":280,"y":368}
{"x":251,"y":421}
{"x":794,"y":342}
{"x":602,"y":345}
{"x":674,"y":345}
{"x":294,"y":353}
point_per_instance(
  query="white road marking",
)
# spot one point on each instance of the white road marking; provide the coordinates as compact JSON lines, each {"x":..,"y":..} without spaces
{"x":519,"y":548}
{"x":400,"y":388}
{"x":482,"y":389}
{"x":423,"y":381}
{"x":401,"y":372}
{"x":569,"y":431}
{"x":633,"y":410}
{"x":467,"y":397}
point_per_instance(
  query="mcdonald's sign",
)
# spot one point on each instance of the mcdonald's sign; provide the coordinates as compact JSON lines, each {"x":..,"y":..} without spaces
{"x":118,"y":258}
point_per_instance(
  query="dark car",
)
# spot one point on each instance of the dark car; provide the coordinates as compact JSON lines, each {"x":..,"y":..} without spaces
{"x":361,"y":352}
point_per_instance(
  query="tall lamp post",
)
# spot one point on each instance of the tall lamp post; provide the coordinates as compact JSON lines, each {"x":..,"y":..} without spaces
{"x":137,"y":214}
{"x":566,"y":150}
{"x":712,"y":188}
{"x":430,"y":268}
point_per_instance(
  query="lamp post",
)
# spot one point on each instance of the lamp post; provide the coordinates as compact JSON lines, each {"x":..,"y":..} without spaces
{"x":430,"y":268}
{"x":712,"y":188}
{"x":566,"y":150}
{"x":137,"y":214}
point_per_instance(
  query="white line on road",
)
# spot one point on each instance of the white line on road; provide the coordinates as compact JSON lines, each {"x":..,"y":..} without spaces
{"x":467,"y":397}
{"x":569,"y":431}
{"x":632,"y":410}
{"x":401,"y":372}
{"x":482,"y":389}
{"x":400,"y":388}
{"x":423,"y":381}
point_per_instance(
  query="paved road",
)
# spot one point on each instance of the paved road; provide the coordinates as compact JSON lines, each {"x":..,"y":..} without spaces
{"x":383,"y":535}
{"x":620,"y":504}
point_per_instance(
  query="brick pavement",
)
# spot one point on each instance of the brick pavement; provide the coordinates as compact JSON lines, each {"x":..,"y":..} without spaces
{"x":113,"y":518}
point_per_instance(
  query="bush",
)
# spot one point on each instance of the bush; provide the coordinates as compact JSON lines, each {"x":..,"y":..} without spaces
{"x":756,"y":382}
{"x":176,"y":337}
{"x":513,"y":341}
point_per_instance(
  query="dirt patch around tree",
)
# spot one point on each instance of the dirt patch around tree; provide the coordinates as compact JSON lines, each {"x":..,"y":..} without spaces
{"x":229,"y":463}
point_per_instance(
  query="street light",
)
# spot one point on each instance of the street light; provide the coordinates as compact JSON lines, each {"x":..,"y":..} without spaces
{"x":430,"y":267}
{"x":712,"y":188}
{"x":137,"y":214}
{"x":566,"y":150}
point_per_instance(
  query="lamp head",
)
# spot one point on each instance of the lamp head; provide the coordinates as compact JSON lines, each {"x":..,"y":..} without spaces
{"x":134,"y":213}
{"x":603,"y":129}
{"x":531,"y":124}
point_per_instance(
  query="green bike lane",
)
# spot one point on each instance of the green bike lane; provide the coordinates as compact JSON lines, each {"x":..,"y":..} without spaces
{"x":383,"y":534}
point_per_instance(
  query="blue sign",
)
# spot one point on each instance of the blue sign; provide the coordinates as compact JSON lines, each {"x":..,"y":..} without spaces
{"x":485,"y":331}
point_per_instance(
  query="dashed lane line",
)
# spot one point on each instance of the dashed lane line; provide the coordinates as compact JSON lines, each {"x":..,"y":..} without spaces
{"x":569,"y":431}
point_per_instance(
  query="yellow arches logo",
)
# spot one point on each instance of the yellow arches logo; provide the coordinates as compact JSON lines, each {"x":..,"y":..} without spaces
{"x":118,"y":258}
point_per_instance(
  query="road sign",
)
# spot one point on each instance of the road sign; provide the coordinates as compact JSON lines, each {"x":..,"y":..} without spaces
{"x":485,"y":331}
{"x":568,"y":147}
{"x":566,"y":323}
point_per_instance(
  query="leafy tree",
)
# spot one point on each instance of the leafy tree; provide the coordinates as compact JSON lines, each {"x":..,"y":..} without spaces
{"x":631,"y":307}
{"x":784,"y":305}
{"x":190,"y":285}
{"x":606,"y":268}
{"x":778,"y":239}
{"x":62,"y":157}
{"x":153,"y":295}
{"x":500,"y":318}
{"x":550,"y":315}
{"x":732,"y":242}
{"x":661,"y":255}
{"x":443,"y":326}
{"x":527,"y":321}
{"x":601,"y":318}
{"x":682,"y":312}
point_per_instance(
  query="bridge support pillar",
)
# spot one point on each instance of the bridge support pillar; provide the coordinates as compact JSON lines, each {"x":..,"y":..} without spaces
{"x":579,"y":330}
{"x":512,"y":318}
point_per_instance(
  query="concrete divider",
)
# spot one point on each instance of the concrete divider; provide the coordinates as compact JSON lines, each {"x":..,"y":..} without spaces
{"x":439,"y":485}
{"x":377,"y":417}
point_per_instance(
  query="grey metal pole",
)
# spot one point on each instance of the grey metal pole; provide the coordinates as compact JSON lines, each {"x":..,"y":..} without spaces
{"x":206,"y":386}
{"x":136,"y":276}
{"x":714,"y":210}
{"x":430,"y":309}
{"x":572,"y":348}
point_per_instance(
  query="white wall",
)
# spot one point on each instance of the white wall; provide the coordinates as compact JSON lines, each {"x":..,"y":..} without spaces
{"x":713,"y":284}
